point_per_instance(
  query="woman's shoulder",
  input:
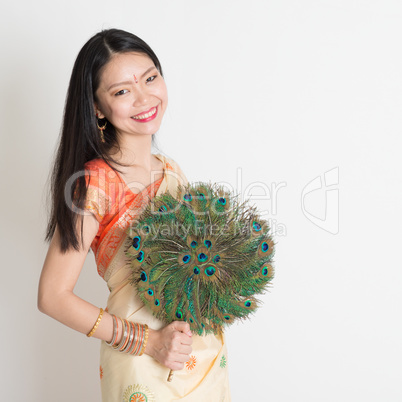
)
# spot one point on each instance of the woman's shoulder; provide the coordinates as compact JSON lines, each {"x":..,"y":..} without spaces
{"x":99,"y":174}
{"x":100,"y":167}
{"x":170,"y":164}
{"x":100,"y":196}
{"x":96,"y":164}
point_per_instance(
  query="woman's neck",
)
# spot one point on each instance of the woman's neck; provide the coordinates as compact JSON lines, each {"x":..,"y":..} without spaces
{"x":135,"y":152}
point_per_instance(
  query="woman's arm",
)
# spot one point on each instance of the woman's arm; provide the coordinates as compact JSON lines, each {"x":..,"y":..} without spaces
{"x":60,"y":273}
{"x":171,"y":345}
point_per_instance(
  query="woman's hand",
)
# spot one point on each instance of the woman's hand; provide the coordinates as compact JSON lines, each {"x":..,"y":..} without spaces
{"x":171,"y":345}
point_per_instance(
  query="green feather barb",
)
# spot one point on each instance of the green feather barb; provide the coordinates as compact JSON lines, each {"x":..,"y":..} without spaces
{"x":201,"y":257}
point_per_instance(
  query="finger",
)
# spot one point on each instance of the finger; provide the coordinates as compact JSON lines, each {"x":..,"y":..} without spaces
{"x":176,"y":365}
{"x":185,"y":350}
{"x":182,"y":326}
{"x":179,"y":339}
{"x":185,"y":340}
{"x":176,"y":362}
{"x":182,"y":358}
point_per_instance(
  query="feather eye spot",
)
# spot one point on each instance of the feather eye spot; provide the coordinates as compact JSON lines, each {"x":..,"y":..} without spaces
{"x":144,"y":276}
{"x":222,"y":201}
{"x":179,"y":314}
{"x":256,"y":226}
{"x":226,"y":317}
{"x":150,"y":292}
{"x":267,"y":270}
{"x":247,"y":303}
{"x":208,"y":243}
{"x":193,"y":244}
{"x":265,"y":248}
{"x":137,"y":242}
{"x":202,"y":257}
{"x":163,"y":209}
{"x":210,"y":271}
{"x":187,"y":197}
{"x":217,"y":258}
{"x":187,"y":258}
{"x":141,"y":256}
{"x":196,"y":270}
{"x":201,"y":196}
{"x":156,"y":302}
{"x":191,"y":320}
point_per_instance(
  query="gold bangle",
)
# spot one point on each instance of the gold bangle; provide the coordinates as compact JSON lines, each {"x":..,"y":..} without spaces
{"x":92,"y":331}
{"x":145,"y":341}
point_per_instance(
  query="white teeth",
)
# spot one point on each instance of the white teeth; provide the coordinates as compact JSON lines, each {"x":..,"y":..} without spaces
{"x":146,"y":115}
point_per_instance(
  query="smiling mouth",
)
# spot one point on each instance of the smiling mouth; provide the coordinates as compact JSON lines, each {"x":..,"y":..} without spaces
{"x":149,"y":115}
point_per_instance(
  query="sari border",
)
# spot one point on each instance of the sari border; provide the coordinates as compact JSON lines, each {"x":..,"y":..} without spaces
{"x":113,"y":233}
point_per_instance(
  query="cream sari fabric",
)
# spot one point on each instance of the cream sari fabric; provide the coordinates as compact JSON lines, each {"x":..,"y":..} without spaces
{"x":129,"y":378}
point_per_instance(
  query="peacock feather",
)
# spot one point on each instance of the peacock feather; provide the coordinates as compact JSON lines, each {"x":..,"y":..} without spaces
{"x":200,"y":257}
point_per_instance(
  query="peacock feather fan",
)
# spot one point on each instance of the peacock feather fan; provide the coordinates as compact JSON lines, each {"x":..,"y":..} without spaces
{"x":200,"y":257}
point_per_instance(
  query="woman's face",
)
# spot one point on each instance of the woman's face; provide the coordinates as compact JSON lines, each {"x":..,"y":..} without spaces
{"x":132,"y":94}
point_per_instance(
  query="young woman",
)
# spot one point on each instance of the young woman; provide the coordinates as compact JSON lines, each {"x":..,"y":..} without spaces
{"x":104,"y":174}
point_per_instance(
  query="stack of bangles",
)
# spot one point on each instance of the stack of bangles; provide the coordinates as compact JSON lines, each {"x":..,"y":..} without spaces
{"x":134,"y":339}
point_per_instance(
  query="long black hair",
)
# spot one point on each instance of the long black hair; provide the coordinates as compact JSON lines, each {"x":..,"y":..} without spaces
{"x":80,"y":140}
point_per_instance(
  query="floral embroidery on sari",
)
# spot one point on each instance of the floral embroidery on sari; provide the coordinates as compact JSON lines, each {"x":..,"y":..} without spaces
{"x":191,"y":363}
{"x":222,"y":364}
{"x":138,"y":393}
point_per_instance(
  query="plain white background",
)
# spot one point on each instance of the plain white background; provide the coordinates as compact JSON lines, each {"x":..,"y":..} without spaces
{"x":278,"y":93}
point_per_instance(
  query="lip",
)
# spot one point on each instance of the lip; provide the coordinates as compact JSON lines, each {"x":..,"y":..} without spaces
{"x":148,"y":118}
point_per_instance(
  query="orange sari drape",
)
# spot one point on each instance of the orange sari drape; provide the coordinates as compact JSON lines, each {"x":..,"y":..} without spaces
{"x":141,"y":378}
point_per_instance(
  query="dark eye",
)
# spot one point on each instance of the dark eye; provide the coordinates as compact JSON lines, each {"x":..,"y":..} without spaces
{"x":122,"y":92}
{"x":150,"y":79}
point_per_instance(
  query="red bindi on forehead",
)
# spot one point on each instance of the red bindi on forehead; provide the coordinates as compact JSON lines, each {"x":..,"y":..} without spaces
{"x":135,"y":79}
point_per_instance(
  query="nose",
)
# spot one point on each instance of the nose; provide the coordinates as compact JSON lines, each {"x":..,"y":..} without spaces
{"x":141,"y":96}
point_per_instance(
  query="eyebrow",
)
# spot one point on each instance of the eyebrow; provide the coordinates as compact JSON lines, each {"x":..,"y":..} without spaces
{"x":129,"y":82}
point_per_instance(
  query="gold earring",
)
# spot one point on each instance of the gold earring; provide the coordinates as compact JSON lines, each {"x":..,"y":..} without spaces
{"x":101,"y":131}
